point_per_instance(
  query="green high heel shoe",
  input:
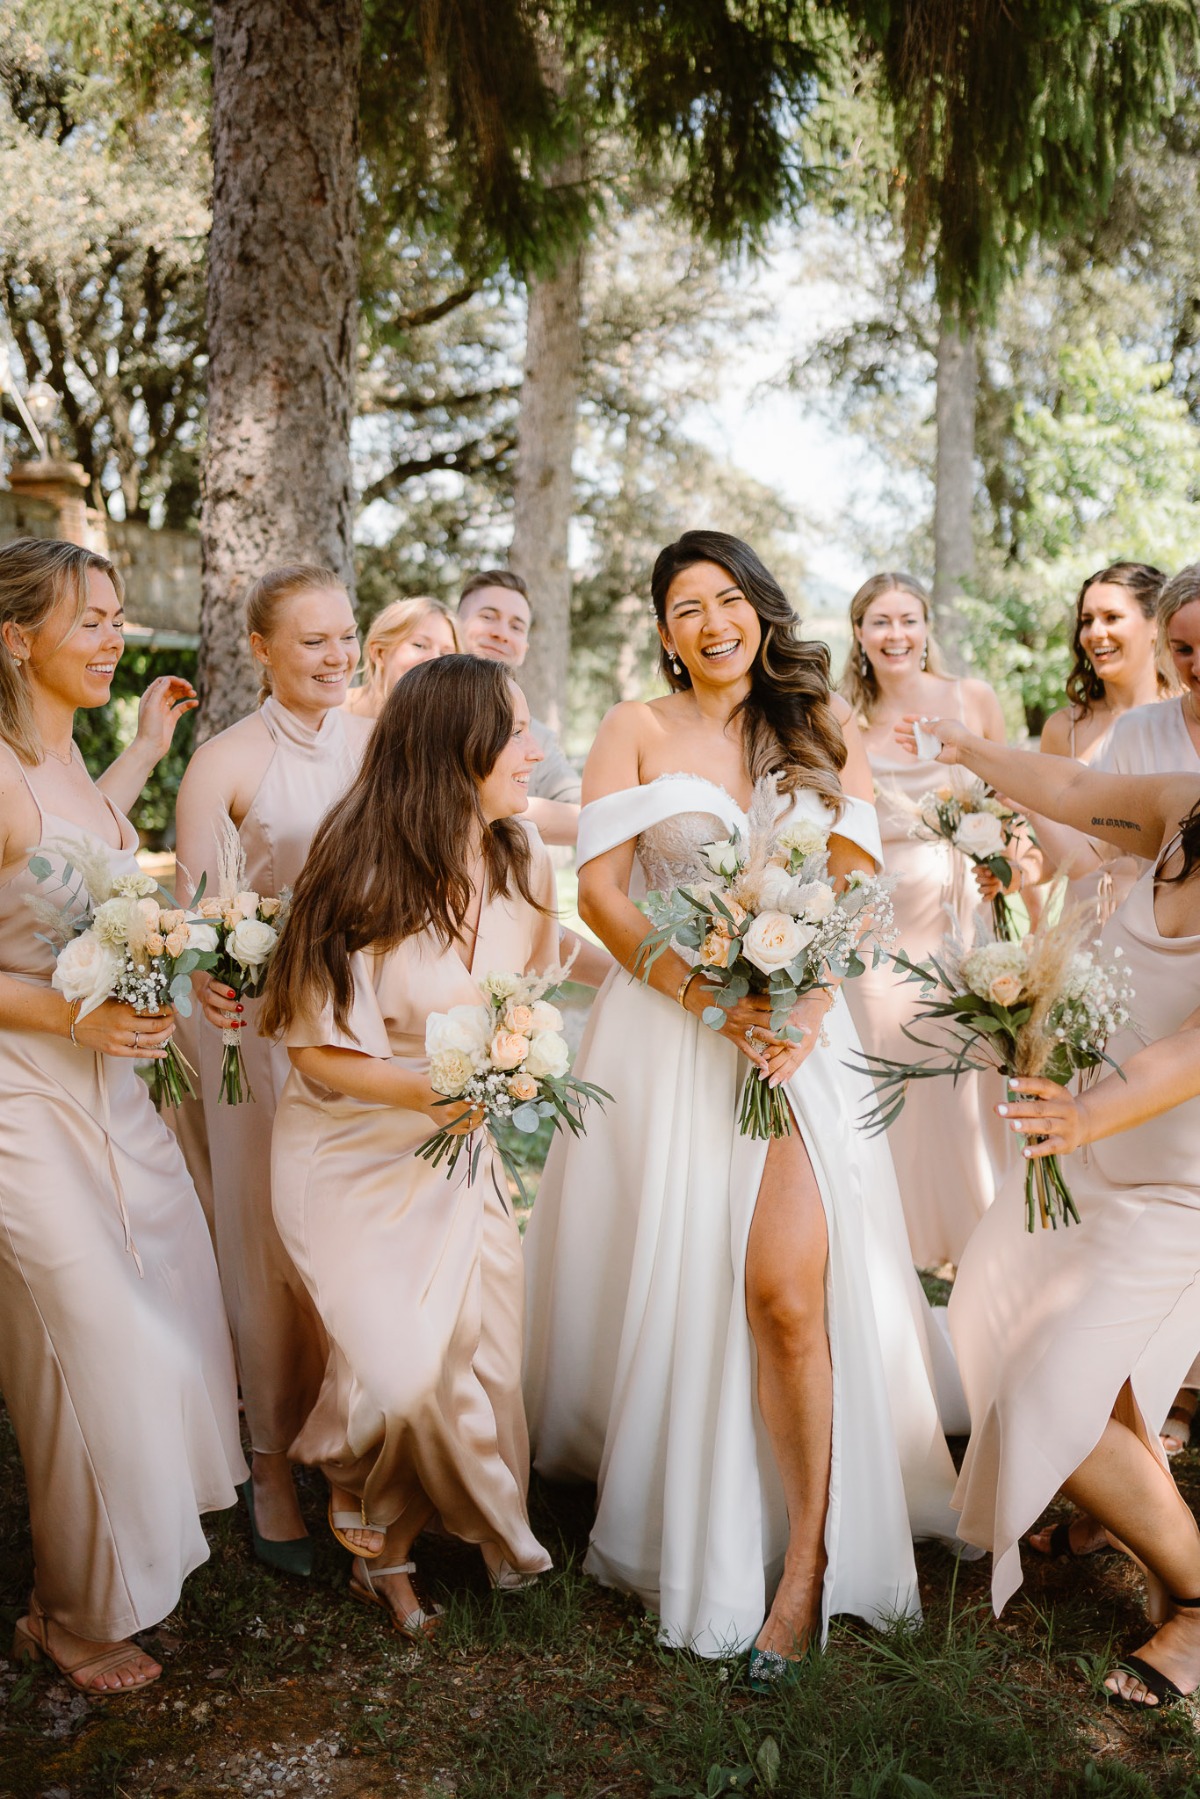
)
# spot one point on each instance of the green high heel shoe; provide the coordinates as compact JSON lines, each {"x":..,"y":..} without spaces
{"x":294,"y":1556}
{"x":769,"y":1671}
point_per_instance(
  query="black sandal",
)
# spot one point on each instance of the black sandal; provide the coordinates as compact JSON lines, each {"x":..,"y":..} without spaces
{"x":1153,"y":1679}
{"x":1060,"y":1547}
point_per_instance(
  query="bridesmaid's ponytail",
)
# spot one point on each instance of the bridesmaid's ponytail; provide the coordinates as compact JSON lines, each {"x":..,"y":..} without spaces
{"x":272,"y":591}
{"x":37,"y":575}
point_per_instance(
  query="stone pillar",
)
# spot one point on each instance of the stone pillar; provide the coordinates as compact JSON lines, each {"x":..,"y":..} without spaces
{"x":65,"y":486}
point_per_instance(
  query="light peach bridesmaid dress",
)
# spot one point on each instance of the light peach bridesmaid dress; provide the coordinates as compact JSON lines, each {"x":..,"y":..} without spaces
{"x":1050,"y":1326}
{"x":276,"y":1331}
{"x":945,"y":1144}
{"x":115,"y":1358}
{"x":418,"y":1277}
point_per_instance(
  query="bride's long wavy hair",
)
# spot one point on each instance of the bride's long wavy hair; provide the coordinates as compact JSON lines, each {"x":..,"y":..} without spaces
{"x":391,"y":858}
{"x":789,"y":726}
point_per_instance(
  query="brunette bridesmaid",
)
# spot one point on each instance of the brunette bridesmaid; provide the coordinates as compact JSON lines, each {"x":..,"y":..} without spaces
{"x":1071,"y":1342}
{"x":275,"y":774}
{"x":115,"y":1358}
{"x":419,"y":884}
{"x":894,"y":668}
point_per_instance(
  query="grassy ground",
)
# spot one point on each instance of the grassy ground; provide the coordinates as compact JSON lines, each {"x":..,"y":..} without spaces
{"x":277,"y":1687}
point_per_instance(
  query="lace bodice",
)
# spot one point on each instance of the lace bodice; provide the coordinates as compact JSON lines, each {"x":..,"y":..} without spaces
{"x":669,"y":852}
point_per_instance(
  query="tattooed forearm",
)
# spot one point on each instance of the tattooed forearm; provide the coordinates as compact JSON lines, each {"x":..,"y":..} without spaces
{"x":1117,"y":824}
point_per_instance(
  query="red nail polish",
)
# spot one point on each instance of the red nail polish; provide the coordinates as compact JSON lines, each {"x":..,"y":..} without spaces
{"x":239,"y":1008}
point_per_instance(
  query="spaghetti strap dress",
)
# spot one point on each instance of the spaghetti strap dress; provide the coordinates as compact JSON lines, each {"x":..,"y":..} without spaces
{"x":115,"y":1359}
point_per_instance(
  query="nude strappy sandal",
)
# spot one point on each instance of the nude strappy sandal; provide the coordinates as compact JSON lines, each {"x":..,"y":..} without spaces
{"x":340,"y":1522}
{"x":416,"y":1625}
{"x":31,"y":1643}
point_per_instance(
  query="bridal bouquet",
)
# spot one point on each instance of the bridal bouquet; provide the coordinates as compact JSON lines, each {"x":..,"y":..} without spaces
{"x":240,"y":929}
{"x":127,"y":945}
{"x":1045,"y":1006}
{"x":980,"y":827}
{"x":509,"y":1059}
{"x":766,"y":917}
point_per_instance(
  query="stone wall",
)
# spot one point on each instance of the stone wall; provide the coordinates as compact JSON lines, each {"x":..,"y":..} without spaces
{"x":161,"y":569}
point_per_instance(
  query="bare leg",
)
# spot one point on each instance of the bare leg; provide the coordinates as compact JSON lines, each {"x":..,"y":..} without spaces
{"x":1177,"y":1429}
{"x":276,"y":1507}
{"x":785,"y":1303}
{"x":1126,"y":1489}
{"x":68,"y":1650}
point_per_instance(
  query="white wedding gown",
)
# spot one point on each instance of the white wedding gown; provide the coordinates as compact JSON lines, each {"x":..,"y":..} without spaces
{"x":640,"y":1369}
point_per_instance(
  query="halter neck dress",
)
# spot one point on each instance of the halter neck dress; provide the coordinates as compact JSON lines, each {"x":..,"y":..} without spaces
{"x":1050,"y":1325}
{"x":115,"y":1358}
{"x":947,"y":1145}
{"x":640,"y":1369}
{"x":277,"y":1334}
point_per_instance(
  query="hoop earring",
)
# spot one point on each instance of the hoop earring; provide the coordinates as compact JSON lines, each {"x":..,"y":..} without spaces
{"x":925,"y":657}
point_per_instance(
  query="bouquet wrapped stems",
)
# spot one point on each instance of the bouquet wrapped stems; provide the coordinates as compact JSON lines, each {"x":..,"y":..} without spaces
{"x":1047,"y":1196}
{"x":765,"y":1111}
{"x":235,"y":1087}
{"x":172,"y":1080}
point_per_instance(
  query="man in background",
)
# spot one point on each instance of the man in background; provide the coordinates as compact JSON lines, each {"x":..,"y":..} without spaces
{"x":494,"y":619}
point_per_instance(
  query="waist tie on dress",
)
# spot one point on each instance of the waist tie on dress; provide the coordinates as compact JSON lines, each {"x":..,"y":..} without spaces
{"x":118,"y":1190}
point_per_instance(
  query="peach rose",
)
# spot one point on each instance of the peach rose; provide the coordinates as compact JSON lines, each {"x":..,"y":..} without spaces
{"x":522,"y":1086}
{"x":1005,"y":989}
{"x":246,"y":905}
{"x":177,"y":941}
{"x":156,"y":943}
{"x":508,"y":1049}
{"x":170,"y":921}
{"x":269,"y":907}
{"x":714,"y":951}
{"x":211,"y":908}
{"x":519,"y":1018}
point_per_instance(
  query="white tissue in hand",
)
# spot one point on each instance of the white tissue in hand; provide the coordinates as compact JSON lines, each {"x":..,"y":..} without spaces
{"x":928,"y":746}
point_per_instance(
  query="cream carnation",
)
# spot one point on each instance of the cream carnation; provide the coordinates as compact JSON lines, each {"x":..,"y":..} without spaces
{"x":498,"y":985}
{"x":508,"y":1049}
{"x":772,"y":940}
{"x":112,"y":921}
{"x":548,"y":1058}
{"x":980,"y":834}
{"x":450,"y":1071}
{"x":802,"y":838}
{"x":86,"y":971}
{"x":250,"y":942}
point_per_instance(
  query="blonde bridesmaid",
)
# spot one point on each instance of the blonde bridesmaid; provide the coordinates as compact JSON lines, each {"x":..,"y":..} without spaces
{"x":115,"y":1358}
{"x":275,"y":773}
{"x":1071,"y":1342}
{"x":894,"y":668}
{"x":420,"y":883}
{"x":403,"y":635}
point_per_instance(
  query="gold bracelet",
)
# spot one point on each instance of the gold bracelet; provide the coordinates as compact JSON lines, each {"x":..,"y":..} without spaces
{"x":72,"y":1015}
{"x":689,"y":977}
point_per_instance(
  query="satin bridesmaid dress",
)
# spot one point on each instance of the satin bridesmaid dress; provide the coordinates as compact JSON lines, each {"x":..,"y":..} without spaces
{"x":417,"y":1277}
{"x":115,"y":1359}
{"x":1049,"y":1326}
{"x":276,"y":1331}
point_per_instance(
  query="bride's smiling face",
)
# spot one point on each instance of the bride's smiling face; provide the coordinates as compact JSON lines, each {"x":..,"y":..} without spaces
{"x":711,"y":626}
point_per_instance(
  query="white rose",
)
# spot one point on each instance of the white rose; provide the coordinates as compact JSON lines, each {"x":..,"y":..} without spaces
{"x":980,"y":834}
{"x":814,"y":900}
{"x":548,"y":1056}
{"x":250,"y":942}
{"x":450,"y":1071}
{"x":86,"y":970}
{"x":723,"y":858}
{"x":773,"y":940}
{"x":201,"y":936}
{"x":545,"y":1016}
{"x":772,"y":889}
{"x":466,"y":1028}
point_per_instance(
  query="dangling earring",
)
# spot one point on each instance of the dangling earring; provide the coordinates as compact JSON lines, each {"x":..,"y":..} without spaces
{"x":864,"y":664}
{"x":676,"y":665}
{"x":925,"y":657}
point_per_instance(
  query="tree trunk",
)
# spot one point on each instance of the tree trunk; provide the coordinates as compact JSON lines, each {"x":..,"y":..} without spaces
{"x":544,"y":490}
{"x":954,"y":493}
{"x":282,"y":299}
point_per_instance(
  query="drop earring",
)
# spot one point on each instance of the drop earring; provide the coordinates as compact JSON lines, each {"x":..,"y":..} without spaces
{"x":925,"y":658}
{"x":676,"y":664}
{"x":864,"y":664}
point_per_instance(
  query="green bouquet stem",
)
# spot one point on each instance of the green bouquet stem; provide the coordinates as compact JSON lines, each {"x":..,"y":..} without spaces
{"x":765,"y":1111}
{"x":1004,"y":925}
{"x":1047,"y":1197}
{"x":235,"y":1082}
{"x":171,"y":1079}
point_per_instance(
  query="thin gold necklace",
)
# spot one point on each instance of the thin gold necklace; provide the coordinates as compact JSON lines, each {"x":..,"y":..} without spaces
{"x":65,"y":760}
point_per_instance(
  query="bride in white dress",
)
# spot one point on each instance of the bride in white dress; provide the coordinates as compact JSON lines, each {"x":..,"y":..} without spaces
{"x":728,"y":1335}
